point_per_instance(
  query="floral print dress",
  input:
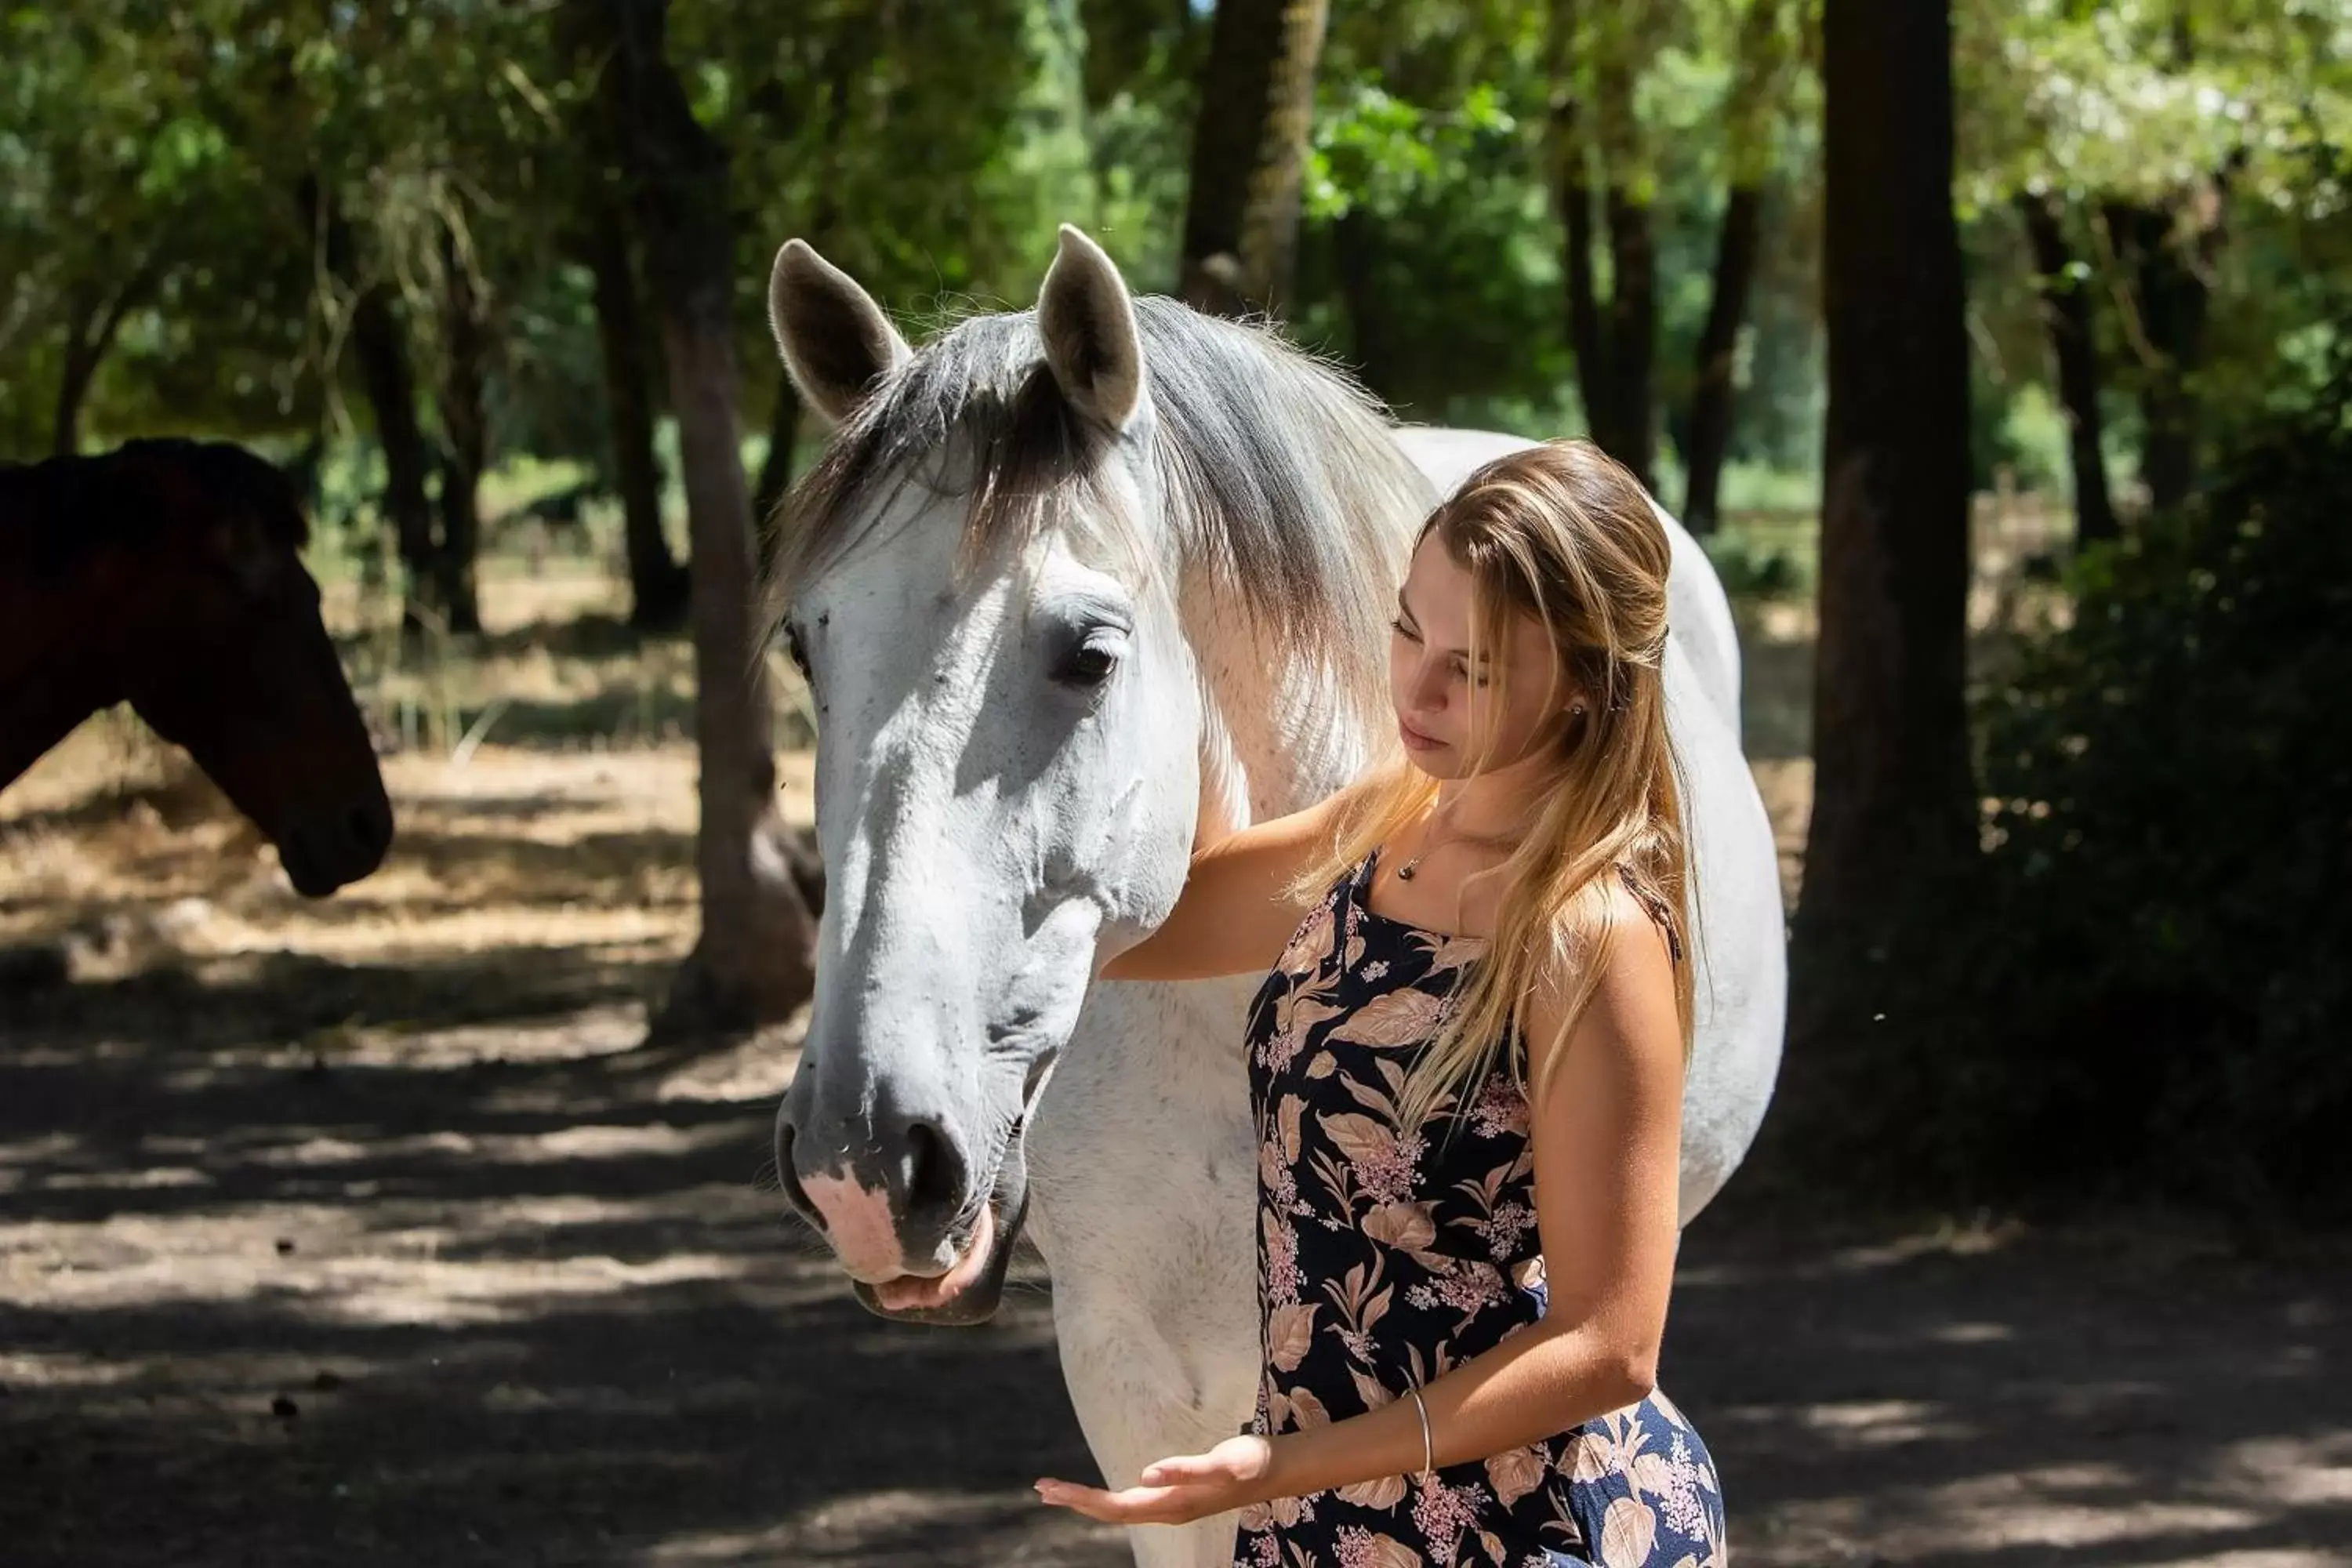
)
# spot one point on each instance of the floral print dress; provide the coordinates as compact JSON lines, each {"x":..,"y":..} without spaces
{"x":1389,"y":1255}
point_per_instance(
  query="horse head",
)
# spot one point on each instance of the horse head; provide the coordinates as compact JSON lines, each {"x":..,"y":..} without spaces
{"x":235,"y":663}
{"x":1007,"y":774}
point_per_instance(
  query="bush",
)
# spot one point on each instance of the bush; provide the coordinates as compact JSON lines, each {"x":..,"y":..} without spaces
{"x":2156,"y":982}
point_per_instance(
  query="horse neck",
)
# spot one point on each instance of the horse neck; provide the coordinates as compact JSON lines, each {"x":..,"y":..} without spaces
{"x":1277,"y":734}
{"x":60,"y":635}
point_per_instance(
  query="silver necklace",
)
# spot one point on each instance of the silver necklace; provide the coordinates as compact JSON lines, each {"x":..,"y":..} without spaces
{"x":1428,"y":845}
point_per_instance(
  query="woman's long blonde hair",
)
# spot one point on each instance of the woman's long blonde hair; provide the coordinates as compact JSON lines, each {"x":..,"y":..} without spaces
{"x":1563,"y":533}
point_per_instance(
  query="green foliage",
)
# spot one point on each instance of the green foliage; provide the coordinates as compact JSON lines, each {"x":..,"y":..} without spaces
{"x":2018,"y":434}
{"x":2140,"y":99}
{"x":2145,"y":994}
{"x":151,"y":150}
{"x":107,"y":163}
{"x":1754,"y":569}
{"x":1430,"y":260}
{"x":1431,"y":256}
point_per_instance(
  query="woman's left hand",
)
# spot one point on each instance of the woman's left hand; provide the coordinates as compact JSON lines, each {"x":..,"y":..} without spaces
{"x":1231,"y":1475}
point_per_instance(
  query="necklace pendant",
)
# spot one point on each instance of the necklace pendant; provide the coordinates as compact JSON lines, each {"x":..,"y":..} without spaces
{"x":1405,"y":872}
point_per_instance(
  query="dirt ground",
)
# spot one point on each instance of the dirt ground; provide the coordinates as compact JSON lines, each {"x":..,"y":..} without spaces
{"x":362,"y":1232}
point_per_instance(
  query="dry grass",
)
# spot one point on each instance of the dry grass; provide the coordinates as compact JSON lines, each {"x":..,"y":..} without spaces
{"x":543,"y":791}
{"x":588,"y":850}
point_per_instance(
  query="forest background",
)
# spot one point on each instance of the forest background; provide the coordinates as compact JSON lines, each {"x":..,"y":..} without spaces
{"x":487,"y":278}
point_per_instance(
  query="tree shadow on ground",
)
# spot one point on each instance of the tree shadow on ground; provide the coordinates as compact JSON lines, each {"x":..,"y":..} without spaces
{"x":451,"y":1311}
{"x":308,"y":1262}
{"x":534,"y":1308}
{"x":2136,"y":1395}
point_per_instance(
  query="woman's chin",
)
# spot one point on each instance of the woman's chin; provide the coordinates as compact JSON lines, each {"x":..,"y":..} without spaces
{"x":1439,"y":762}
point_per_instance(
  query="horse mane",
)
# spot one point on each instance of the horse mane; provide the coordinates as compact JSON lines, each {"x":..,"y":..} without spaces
{"x":1282,"y":485}
{"x":56,"y":514}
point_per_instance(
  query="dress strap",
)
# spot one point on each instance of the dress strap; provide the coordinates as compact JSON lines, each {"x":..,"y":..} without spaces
{"x":1657,"y":907}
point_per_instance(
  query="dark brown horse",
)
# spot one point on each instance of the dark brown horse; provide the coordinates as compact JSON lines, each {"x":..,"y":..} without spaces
{"x":166,"y":574}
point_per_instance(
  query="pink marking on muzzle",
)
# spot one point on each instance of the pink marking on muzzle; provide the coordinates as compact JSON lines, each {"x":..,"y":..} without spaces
{"x":858,"y":1222}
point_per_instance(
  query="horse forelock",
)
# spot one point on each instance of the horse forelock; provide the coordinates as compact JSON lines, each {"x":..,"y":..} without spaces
{"x":1276,"y":476}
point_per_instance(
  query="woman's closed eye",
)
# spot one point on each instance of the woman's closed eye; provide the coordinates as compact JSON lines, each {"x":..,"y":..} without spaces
{"x":1458,"y":665}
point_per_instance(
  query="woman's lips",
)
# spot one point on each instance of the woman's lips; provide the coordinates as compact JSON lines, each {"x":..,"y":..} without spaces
{"x":917,"y":1293}
{"x":1414,"y":740}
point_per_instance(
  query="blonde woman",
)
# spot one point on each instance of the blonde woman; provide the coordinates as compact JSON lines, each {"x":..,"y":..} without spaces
{"x":1466,"y":1071}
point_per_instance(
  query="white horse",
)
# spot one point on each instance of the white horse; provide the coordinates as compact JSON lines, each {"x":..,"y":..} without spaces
{"x":1076,"y":589}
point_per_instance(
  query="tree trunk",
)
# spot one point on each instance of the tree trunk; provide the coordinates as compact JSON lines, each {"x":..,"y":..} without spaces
{"x":1893,"y":797}
{"x":2176,"y":304}
{"x":853,"y":54}
{"x":2075,"y":346}
{"x":775,"y":468}
{"x":658,"y":581}
{"x":380,"y":344}
{"x":382,"y":347}
{"x":465,"y":434}
{"x":1354,"y":256}
{"x":1269,"y":252}
{"x":2168,"y":300}
{"x":1736,"y":246}
{"x":753,"y":961}
{"x":74,"y":378}
{"x":1571,"y":181}
{"x":1751,"y":120}
{"x":1249,"y":150}
{"x":1633,"y":333}
{"x":1586,"y":337}
{"x":1615,"y":339}
{"x":90,"y":331}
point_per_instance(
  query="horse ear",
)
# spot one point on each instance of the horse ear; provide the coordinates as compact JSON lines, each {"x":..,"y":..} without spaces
{"x":837,"y":344}
{"x":1092,"y":345}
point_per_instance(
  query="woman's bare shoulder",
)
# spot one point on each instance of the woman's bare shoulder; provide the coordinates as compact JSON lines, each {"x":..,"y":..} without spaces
{"x":1632,"y":999}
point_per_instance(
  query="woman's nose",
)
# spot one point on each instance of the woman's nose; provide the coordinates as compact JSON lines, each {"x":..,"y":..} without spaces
{"x":1428,"y":688}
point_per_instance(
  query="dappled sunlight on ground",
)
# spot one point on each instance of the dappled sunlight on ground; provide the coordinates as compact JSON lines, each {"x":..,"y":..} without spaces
{"x":445,"y":1294}
{"x":367,"y":1231}
{"x":902,"y":1529}
{"x":2138,"y":1395}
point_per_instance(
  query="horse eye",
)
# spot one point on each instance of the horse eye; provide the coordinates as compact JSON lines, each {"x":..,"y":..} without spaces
{"x":796,"y":650}
{"x":1089,"y":663}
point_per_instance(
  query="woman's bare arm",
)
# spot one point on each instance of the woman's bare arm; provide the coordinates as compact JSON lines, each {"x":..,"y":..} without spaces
{"x":1235,"y":912}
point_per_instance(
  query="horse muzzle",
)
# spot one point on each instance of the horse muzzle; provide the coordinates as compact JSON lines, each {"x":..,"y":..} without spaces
{"x":331,"y":849}
{"x":916,"y":1246}
{"x":969,"y":1292}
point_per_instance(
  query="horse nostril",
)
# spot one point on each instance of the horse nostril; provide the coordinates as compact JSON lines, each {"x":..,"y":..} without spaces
{"x":789,"y":1179}
{"x":934,"y":1170}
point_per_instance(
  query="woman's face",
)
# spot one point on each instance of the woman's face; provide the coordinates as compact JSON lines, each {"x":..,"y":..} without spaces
{"x":1441,"y":702}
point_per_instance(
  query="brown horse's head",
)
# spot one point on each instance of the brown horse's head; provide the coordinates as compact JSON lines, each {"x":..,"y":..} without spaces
{"x":237,"y":666}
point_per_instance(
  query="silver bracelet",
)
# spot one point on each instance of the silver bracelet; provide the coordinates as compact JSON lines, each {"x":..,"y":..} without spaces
{"x":1428,"y":1453}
